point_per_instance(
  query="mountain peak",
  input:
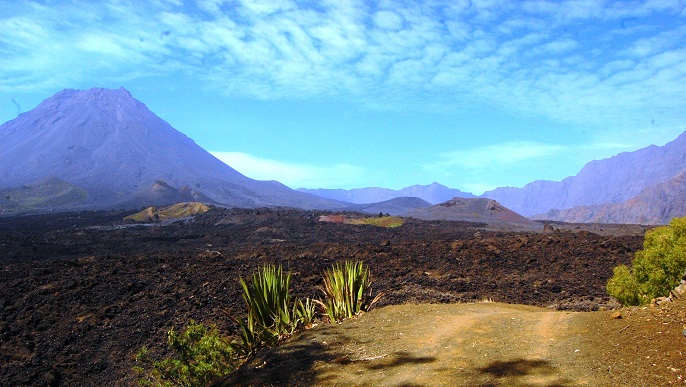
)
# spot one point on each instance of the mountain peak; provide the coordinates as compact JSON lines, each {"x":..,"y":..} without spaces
{"x":118,"y":102}
{"x":113,"y":147}
{"x":94,"y":92}
{"x":480,"y":210}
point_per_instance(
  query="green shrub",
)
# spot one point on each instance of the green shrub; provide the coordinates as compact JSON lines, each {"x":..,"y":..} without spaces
{"x":348,"y":291}
{"x":623,"y":286}
{"x":655,"y":270}
{"x":199,"y":355}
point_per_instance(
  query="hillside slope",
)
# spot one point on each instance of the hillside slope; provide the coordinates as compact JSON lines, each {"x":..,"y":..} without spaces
{"x":613,"y":180}
{"x":656,"y":204}
{"x":110,"y":145}
{"x":474,"y":210}
{"x":396,"y":206}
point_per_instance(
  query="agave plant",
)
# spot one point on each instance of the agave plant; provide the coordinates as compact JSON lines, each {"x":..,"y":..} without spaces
{"x":305,"y":311}
{"x":250,"y":340}
{"x":271,"y":313}
{"x":347,"y":289}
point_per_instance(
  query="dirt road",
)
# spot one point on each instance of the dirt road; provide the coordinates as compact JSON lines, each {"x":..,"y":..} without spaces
{"x":484,"y":344}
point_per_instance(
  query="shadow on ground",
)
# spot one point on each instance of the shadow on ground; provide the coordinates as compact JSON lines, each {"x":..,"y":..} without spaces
{"x":307,"y":360}
{"x":516,"y":373}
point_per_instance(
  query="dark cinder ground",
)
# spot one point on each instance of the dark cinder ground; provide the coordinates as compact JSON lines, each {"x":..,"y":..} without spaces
{"x":81,"y":293}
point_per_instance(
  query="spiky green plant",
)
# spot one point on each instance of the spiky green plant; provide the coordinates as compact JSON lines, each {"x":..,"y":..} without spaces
{"x":271,"y":313}
{"x":305,"y":312}
{"x":199,"y":355}
{"x":347,"y":289}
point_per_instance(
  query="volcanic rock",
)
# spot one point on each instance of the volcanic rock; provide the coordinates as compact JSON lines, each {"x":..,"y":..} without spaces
{"x":475,"y":210}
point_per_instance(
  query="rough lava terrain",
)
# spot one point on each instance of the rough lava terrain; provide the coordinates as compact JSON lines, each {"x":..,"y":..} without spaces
{"x":81,"y":292}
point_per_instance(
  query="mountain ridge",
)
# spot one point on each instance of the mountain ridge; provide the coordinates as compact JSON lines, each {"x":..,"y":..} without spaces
{"x":111,"y":145}
{"x":104,"y":149}
{"x":478,"y":210}
{"x":654,"y":205}
{"x":395,"y":206}
{"x":589,"y":194}
{"x":433,"y":193}
{"x":612,"y":180}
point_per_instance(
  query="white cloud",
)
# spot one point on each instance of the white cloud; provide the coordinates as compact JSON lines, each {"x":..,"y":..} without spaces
{"x":293,"y":175}
{"x":496,"y":155}
{"x":101,"y":44}
{"x":388,"y":20}
{"x":570,"y":61}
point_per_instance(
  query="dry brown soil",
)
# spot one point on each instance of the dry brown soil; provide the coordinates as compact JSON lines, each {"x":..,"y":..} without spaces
{"x":481,"y":344}
{"x":80,"y":293}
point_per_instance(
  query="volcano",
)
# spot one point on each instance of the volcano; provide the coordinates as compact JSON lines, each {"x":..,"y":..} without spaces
{"x":478,"y":210}
{"x":113,"y":148}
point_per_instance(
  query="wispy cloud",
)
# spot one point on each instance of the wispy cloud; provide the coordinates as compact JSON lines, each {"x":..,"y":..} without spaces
{"x":575,"y":61}
{"x":293,"y":175}
{"x":483,"y":168}
{"x":495,"y":155}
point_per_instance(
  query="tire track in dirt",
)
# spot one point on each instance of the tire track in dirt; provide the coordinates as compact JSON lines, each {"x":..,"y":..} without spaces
{"x":484,"y":344}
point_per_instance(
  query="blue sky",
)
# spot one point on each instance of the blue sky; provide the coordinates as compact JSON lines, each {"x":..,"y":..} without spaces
{"x":346,"y":94}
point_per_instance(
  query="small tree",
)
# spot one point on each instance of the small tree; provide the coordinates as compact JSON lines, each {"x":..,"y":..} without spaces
{"x":655,"y":270}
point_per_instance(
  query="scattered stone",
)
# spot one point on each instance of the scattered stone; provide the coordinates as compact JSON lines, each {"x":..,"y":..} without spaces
{"x":679,"y":291}
{"x":52,"y":378}
{"x":210,"y":254}
{"x":617,"y":315}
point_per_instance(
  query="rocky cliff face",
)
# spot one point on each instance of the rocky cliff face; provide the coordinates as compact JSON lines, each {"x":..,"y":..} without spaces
{"x":613,"y":180}
{"x":110,"y":145}
{"x":656,"y":204}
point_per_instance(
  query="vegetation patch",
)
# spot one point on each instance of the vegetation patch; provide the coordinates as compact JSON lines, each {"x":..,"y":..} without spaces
{"x":175,"y":211}
{"x":272,"y":314}
{"x":199,"y":355}
{"x":347,"y":290}
{"x":49,"y":193}
{"x":380,"y":221}
{"x":655,"y":270}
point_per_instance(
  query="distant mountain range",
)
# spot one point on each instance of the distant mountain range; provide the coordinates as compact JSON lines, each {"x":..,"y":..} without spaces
{"x":613,"y":180}
{"x":395,"y":206}
{"x":433,"y":193}
{"x":101,"y":148}
{"x":645,"y":186}
{"x":656,"y":204}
